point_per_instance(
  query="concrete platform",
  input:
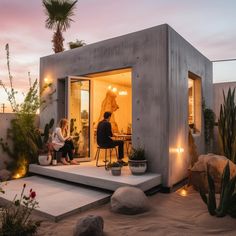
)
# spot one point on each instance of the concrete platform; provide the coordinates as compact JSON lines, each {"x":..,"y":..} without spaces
{"x":56,"y":199}
{"x":88,"y":174}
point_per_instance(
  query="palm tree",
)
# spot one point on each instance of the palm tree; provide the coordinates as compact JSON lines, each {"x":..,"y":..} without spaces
{"x":59,"y":13}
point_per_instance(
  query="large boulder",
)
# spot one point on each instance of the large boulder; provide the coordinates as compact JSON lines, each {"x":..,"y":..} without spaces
{"x":89,"y":226}
{"x":5,"y":175}
{"x":216,"y":165}
{"x":129,"y":201}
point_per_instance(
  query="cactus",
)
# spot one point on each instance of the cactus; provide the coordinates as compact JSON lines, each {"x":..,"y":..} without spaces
{"x":227,"y":204}
{"x":227,"y":126}
{"x":40,"y":140}
{"x":47,"y":129}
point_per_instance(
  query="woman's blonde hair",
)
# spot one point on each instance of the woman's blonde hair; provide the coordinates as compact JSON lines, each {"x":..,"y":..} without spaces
{"x":62,"y":123}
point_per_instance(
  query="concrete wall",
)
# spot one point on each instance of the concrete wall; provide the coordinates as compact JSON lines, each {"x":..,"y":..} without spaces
{"x":158,"y":98}
{"x":184,"y":58}
{"x":5,"y":123}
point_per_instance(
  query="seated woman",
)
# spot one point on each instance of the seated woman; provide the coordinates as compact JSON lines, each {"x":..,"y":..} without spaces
{"x":62,"y":142}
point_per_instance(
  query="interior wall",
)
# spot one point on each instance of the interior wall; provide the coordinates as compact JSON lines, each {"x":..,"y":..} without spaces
{"x":123,"y":116}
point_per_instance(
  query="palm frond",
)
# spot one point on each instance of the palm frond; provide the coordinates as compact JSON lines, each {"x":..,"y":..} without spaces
{"x":59,"y":13}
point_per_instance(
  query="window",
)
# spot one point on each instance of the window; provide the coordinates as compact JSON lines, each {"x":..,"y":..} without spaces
{"x":194,"y":102}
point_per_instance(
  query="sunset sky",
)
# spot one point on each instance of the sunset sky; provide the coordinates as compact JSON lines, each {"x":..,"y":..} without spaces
{"x":209,"y":25}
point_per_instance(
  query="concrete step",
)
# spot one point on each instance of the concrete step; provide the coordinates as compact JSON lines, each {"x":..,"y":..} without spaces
{"x":56,"y":199}
{"x":88,"y":174}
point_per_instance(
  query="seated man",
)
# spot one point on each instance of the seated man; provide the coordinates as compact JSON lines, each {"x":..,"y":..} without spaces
{"x":104,"y":135}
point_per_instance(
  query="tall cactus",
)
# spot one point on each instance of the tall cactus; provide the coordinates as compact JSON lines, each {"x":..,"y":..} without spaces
{"x":40,"y":140}
{"x":227,"y":204}
{"x":227,"y":126}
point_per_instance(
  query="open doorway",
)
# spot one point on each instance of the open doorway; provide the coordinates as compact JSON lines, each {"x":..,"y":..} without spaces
{"x":112,"y":91}
{"x":83,"y":101}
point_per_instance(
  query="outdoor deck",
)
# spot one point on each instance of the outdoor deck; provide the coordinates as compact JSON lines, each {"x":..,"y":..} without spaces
{"x":88,"y":174}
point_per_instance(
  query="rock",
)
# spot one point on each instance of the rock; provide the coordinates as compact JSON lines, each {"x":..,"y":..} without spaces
{"x":5,"y":175}
{"x":89,"y":226}
{"x":216,"y":165}
{"x":129,"y":200}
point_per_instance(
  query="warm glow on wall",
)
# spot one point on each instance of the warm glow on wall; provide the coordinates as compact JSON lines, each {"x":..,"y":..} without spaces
{"x":46,"y":80}
{"x":179,"y":150}
{"x":109,"y":87}
{"x":21,"y":171}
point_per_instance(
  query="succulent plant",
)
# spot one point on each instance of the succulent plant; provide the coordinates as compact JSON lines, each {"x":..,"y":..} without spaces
{"x":41,"y":140}
{"x":114,"y":164}
{"x":227,"y":203}
{"x":137,"y":154}
{"x":227,"y":126}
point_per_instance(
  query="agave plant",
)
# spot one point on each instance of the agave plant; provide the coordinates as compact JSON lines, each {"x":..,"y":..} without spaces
{"x":227,"y":126}
{"x":227,"y":202}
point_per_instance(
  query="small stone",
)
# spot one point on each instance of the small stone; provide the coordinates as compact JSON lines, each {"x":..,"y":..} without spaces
{"x":89,"y":226}
{"x":129,"y":200}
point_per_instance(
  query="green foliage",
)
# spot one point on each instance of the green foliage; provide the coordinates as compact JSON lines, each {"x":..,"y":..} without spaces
{"x":23,"y":124}
{"x":227,"y":126}
{"x":40,"y":141}
{"x":209,"y":123}
{"x":15,"y":218}
{"x":76,"y":44}
{"x":59,"y":15}
{"x":227,"y":204}
{"x":137,"y":154}
{"x":114,"y":164}
{"x":21,"y":128}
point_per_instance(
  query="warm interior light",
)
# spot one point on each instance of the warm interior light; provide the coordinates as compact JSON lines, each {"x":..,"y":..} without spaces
{"x":179,"y":150}
{"x":114,"y":90}
{"x":109,"y":87}
{"x":123,"y":93}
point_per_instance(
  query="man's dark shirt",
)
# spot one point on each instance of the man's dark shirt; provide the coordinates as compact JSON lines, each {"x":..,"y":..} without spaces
{"x":104,"y":133}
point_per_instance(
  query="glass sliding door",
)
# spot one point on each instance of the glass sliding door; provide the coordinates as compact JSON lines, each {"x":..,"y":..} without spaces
{"x":78,"y":114}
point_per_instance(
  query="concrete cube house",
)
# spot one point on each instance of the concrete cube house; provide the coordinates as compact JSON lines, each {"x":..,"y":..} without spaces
{"x":161,"y":63}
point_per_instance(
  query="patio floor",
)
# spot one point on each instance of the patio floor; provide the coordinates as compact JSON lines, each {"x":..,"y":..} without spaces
{"x":88,"y":174}
{"x":56,"y":199}
{"x":62,"y":190}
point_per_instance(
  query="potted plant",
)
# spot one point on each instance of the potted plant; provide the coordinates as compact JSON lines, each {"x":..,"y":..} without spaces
{"x":115,"y":168}
{"x":137,"y":161}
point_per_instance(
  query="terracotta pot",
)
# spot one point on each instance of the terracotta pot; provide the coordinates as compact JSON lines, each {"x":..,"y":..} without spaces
{"x":138,"y":167}
{"x":45,"y":159}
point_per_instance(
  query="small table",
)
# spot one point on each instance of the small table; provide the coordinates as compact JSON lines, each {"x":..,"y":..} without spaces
{"x":127,"y":138}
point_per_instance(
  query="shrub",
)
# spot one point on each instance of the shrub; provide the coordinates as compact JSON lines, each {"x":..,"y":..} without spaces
{"x":15,"y":218}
